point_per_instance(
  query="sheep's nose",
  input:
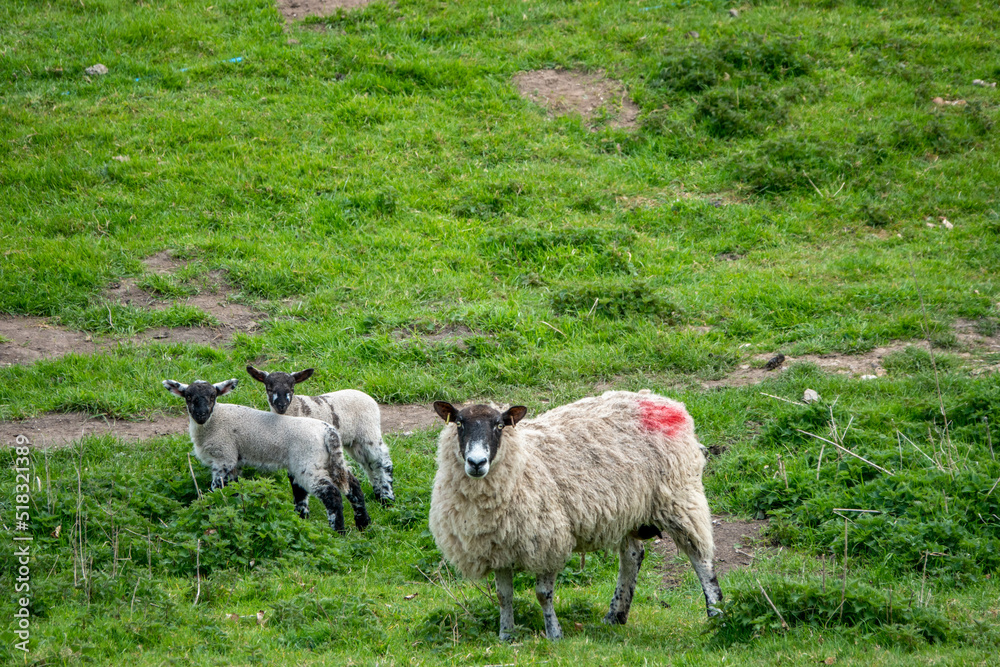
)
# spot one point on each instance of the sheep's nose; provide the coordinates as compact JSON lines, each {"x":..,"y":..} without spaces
{"x":476,"y":467}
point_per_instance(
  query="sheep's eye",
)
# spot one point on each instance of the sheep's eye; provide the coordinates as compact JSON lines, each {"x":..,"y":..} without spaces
{"x":499,"y":426}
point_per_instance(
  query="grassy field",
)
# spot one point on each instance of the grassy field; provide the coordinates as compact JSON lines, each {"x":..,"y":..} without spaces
{"x":372,"y":179}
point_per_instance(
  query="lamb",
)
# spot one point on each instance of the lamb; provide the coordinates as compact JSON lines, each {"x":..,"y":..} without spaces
{"x":601,"y":473}
{"x":227,"y":436}
{"x":354,"y":413}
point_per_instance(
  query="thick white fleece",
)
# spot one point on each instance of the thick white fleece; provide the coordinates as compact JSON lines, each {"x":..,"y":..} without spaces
{"x":580,"y":477}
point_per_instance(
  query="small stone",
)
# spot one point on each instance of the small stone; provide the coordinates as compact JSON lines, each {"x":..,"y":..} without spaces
{"x":120,"y":158}
{"x":809,"y":396}
{"x":946,"y":224}
{"x":96,"y":70}
{"x":734,"y":13}
{"x":984,"y":84}
{"x":868,"y":377}
{"x":692,"y":35}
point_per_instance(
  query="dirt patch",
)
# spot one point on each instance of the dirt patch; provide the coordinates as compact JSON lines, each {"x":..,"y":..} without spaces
{"x":406,"y":419}
{"x":28,"y":339}
{"x":737,"y":543}
{"x":61,"y":429}
{"x":296,"y":10}
{"x":562,"y":92}
{"x":865,"y":365}
{"x":979,"y":335}
{"x":213,"y":298}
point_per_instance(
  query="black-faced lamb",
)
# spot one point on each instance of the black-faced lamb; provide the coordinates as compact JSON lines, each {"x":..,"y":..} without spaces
{"x":227,"y":437}
{"x":601,"y":473}
{"x":355,"y":414}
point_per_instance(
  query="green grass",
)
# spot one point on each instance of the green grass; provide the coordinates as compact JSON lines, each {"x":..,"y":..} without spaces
{"x":372,"y":177}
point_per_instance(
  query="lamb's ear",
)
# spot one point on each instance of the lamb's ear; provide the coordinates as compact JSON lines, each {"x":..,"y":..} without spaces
{"x":257,"y":375}
{"x":225,"y":387}
{"x":175,"y":387}
{"x":445,"y":410}
{"x":302,"y":376}
{"x":513,"y":415}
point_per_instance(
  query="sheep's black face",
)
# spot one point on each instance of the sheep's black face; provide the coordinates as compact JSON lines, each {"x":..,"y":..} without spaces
{"x":200,"y":396}
{"x":280,"y":387}
{"x":480,"y":428}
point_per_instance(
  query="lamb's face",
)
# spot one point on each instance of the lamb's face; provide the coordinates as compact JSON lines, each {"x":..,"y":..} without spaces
{"x":479,"y":429}
{"x":280,"y":386}
{"x":200,"y":396}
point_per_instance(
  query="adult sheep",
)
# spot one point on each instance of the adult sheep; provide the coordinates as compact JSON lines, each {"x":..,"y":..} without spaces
{"x":602,"y":473}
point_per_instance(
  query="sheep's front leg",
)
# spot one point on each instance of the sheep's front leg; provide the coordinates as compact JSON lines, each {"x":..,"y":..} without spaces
{"x":329,"y":495}
{"x":630,"y":555}
{"x":505,"y":592}
{"x":544,"y":585}
{"x":222,"y":474}
{"x":301,"y":497}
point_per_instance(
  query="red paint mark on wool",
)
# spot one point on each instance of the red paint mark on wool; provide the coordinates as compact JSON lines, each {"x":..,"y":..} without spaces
{"x":666,"y":419}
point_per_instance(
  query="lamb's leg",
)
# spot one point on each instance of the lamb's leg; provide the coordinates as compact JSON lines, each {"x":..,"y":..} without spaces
{"x":357,"y":499}
{"x":329,"y":495}
{"x":223,"y":473}
{"x":505,"y":592}
{"x":301,"y":497}
{"x":544,"y":585}
{"x":691,"y":529}
{"x":374,"y":458}
{"x":630,"y":555}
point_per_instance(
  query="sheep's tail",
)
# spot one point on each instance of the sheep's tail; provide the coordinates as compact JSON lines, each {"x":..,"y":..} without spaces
{"x":336,"y":465}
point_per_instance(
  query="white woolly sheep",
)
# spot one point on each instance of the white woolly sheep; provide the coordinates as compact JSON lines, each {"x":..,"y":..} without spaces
{"x":227,"y":437}
{"x":602,"y":473}
{"x":355,"y":414}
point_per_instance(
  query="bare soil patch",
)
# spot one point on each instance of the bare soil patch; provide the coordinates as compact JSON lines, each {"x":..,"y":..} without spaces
{"x":737,"y":543}
{"x":296,"y":10}
{"x":859,"y":365}
{"x":408,"y":418}
{"x":562,"y":92}
{"x":213,"y":298}
{"x":61,"y":429}
{"x":34,"y":338}
{"x":64,"y":428}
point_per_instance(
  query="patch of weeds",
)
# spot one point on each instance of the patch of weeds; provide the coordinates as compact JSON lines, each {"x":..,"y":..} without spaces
{"x":790,"y":163}
{"x":615,"y":301}
{"x":875,"y":214}
{"x":746,"y":613}
{"x":751,"y":58}
{"x":734,"y":112}
{"x":493,"y":202}
{"x":313,"y":622}
{"x":243,"y":525}
{"x":601,"y":250}
{"x":913,"y":360}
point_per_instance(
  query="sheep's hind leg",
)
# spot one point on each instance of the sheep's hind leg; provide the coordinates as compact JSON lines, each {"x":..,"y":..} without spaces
{"x":630,"y":555}
{"x":301,"y":497}
{"x":222,"y":474}
{"x":692,"y":533}
{"x":329,"y":495}
{"x":357,"y":499}
{"x":544,"y":585}
{"x":505,"y":592}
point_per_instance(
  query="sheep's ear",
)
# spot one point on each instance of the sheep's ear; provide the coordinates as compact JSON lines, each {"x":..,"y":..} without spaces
{"x":445,"y":410}
{"x":257,"y":375}
{"x":225,"y":387}
{"x":302,"y":376}
{"x":514,"y":415}
{"x":175,"y":387}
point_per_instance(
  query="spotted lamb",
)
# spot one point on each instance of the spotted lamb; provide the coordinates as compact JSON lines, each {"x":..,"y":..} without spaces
{"x":355,"y":414}
{"x":227,"y":436}
{"x":601,"y":473}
